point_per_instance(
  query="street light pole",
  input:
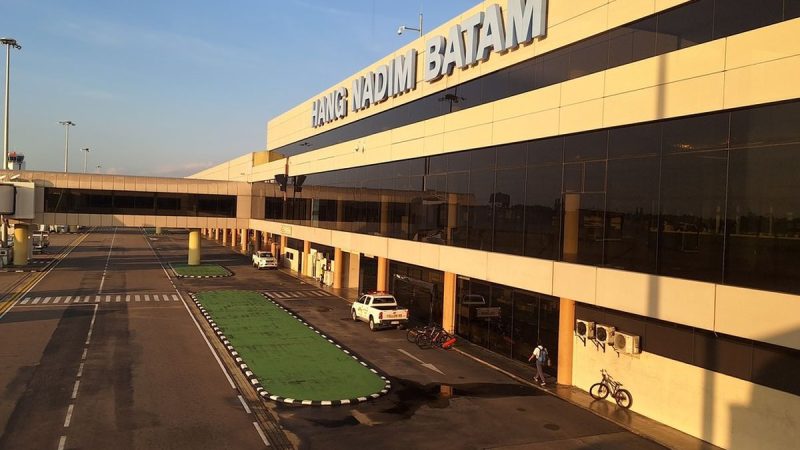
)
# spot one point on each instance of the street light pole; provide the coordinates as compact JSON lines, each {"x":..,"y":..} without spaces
{"x":9,"y":43}
{"x":403,"y":28}
{"x":67,"y":124}
{"x":85,"y":154}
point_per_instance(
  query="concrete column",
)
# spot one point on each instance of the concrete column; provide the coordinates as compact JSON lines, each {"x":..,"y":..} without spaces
{"x":284,"y":243}
{"x":257,"y":240}
{"x":225,"y":232}
{"x":20,"y":244}
{"x":158,"y":230}
{"x":245,"y":233}
{"x":566,"y":317}
{"x":305,"y":267}
{"x":566,"y":327}
{"x":449,"y":307}
{"x":194,"y":247}
{"x":338,"y":267}
{"x":274,"y":249}
{"x":383,"y":274}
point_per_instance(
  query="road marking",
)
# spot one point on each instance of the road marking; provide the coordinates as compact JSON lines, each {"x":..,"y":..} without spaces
{"x":261,"y":433}
{"x":36,"y":300}
{"x":119,"y":297}
{"x":137,"y":298}
{"x":147,"y":298}
{"x":62,"y":443}
{"x":97,"y":299}
{"x":244,"y":404}
{"x":155,"y":297}
{"x":75,"y":389}
{"x":83,"y":357}
{"x":25,"y":302}
{"x":46,"y":300}
{"x":127,"y":299}
{"x":174,"y":298}
{"x":423,"y":363}
{"x":56,"y":300}
{"x":80,"y":369}
{"x":69,"y":416}
{"x":108,"y":258}
{"x":108,"y":298}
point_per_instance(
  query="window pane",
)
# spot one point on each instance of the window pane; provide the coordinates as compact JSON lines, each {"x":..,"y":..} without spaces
{"x":692,"y":215}
{"x":696,"y":133}
{"x":735,"y":16}
{"x":586,"y":146}
{"x":765,"y":125}
{"x":543,"y":211}
{"x":764,"y":236}
{"x":631,"y":214}
{"x":638,"y":140}
{"x":509,"y":211}
{"x":588,"y":57}
{"x":481,"y":187}
{"x":632,"y":43}
{"x":685,"y":26}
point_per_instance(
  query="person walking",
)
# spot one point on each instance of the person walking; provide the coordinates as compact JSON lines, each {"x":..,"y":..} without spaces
{"x":540,"y":354}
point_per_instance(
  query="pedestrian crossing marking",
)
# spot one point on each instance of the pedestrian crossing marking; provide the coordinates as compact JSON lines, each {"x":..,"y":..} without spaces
{"x":66,"y":300}
{"x":298,"y":294}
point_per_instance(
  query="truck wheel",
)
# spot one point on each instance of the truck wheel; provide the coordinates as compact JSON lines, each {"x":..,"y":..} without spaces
{"x":355,"y":316}
{"x":372,"y":325}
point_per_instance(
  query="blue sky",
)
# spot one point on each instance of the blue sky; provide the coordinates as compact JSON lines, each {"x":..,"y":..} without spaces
{"x":169,"y":88}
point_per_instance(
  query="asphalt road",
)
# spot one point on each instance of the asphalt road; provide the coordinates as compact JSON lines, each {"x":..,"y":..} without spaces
{"x":119,"y":369}
{"x":147,"y":379}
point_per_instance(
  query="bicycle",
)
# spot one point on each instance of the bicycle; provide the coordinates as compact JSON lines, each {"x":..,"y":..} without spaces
{"x":435,"y":336}
{"x":412,"y":333}
{"x":608,"y":386}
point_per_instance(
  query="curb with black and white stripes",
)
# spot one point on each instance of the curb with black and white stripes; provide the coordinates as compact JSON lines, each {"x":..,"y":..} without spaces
{"x":387,"y":384}
{"x":177,"y":275}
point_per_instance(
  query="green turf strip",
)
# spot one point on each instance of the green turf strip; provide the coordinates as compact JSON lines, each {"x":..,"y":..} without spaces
{"x":289,"y":359}
{"x":203,"y":270}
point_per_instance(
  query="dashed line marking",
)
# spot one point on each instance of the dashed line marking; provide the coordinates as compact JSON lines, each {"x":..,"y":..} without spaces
{"x":68,"y":419}
{"x":75,"y":389}
{"x":244,"y":404}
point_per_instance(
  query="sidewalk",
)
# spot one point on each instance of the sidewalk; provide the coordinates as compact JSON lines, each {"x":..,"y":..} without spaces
{"x":523,"y":373}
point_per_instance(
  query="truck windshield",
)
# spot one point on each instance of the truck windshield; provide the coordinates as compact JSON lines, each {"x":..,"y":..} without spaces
{"x":383,"y":301}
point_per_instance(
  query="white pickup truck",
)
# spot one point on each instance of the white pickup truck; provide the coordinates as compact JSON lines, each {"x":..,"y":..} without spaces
{"x":380,"y":310}
{"x":263,"y":260}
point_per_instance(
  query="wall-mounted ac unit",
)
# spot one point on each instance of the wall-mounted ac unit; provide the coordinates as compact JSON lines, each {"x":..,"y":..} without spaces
{"x":626,"y":343}
{"x":584,"y":329}
{"x":604,"y":334}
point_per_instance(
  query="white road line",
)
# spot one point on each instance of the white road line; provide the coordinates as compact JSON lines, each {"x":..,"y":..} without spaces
{"x":261,"y":433}
{"x":244,"y":404}
{"x":174,"y":298}
{"x":119,"y":297}
{"x":127,"y":298}
{"x":75,"y":389}
{"x":62,"y":443}
{"x":86,"y":299}
{"x":46,"y":300}
{"x":36,"y":300}
{"x":108,"y":258}
{"x":108,"y":298}
{"x":25,"y":302}
{"x":97,"y":299}
{"x":147,"y":298}
{"x":137,"y":298}
{"x":69,"y":416}
{"x":80,"y":370}
{"x":155,"y":297}
{"x":83,"y":357}
{"x":56,"y":300}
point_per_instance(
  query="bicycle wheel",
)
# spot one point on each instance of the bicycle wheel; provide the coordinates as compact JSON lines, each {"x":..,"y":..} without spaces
{"x":411,"y":334}
{"x":423,"y":340}
{"x":624,"y":398}
{"x":599,"y":391}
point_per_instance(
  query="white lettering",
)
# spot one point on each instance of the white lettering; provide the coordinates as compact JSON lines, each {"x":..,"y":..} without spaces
{"x":471,"y":27}
{"x":526,"y":20}
{"x":454,"y":55}
{"x":434,"y":58}
{"x":492,"y":33}
{"x":405,"y":73}
{"x":381,"y":83}
{"x":369,"y":91}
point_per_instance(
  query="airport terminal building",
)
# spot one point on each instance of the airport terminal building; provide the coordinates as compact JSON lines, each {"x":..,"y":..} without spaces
{"x":617,"y":179}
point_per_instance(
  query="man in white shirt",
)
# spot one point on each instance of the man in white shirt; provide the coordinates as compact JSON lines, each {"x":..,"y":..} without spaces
{"x":540,"y":354}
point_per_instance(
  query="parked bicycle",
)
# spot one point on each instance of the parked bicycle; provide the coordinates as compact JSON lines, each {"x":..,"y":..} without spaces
{"x":608,"y":386}
{"x":412,"y":333}
{"x":432,"y":336}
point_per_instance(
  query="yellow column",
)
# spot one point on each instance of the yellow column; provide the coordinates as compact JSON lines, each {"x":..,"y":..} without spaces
{"x":234,"y":238}
{"x":449,"y":309}
{"x":194,"y":247}
{"x":20,"y":244}
{"x":274,"y":249}
{"x":338,"y":268}
{"x":306,"y":266}
{"x":383,"y":274}
{"x":566,"y":317}
{"x":245,"y":240}
{"x":257,"y":238}
{"x":158,"y":230}
{"x":225,"y":236}
{"x":284,"y":241}
{"x":566,"y":325}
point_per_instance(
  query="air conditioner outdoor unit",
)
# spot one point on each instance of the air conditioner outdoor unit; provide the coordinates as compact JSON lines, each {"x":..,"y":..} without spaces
{"x":604,"y":334}
{"x":584,"y":329}
{"x":626,"y":343}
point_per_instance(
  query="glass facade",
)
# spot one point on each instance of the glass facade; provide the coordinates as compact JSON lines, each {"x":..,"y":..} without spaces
{"x":709,"y":197}
{"x":419,"y":289}
{"x":686,"y":25}
{"x":87,"y":201}
{"x":507,"y":321}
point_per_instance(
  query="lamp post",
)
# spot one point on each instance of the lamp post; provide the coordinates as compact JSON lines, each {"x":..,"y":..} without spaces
{"x":403,"y":28}
{"x":67,"y":124}
{"x":85,"y":154}
{"x":9,"y":43}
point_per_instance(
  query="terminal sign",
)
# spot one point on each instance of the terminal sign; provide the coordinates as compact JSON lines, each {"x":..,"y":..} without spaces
{"x":467,"y":43}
